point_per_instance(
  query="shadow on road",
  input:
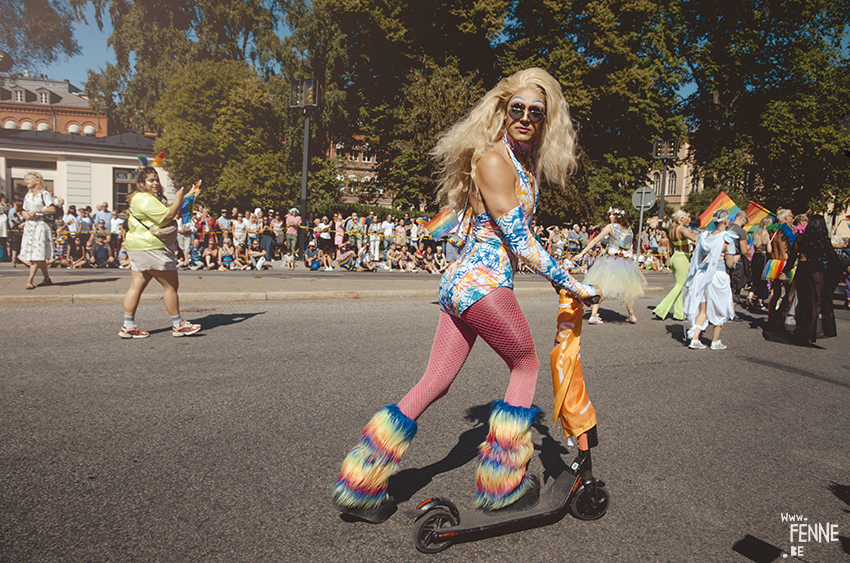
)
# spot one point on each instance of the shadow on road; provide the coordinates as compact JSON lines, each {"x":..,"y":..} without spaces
{"x":217,"y":320}
{"x":405,"y":484}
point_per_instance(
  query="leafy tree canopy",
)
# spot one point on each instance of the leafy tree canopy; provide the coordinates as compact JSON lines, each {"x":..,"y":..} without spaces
{"x":219,"y":124}
{"x":36,"y":32}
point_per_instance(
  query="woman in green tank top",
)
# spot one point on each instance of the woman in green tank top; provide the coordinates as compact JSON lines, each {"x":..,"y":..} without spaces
{"x":680,"y":238}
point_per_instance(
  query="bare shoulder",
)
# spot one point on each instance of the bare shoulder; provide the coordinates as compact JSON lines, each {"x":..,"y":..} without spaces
{"x":495,"y":173}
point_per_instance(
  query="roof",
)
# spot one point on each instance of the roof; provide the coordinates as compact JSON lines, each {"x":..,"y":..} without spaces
{"x":69,"y":96}
{"x":122,"y":143}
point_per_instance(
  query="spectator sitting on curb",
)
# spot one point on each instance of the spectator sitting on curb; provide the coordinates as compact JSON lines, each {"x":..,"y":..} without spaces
{"x":102,"y":254}
{"x":440,"y":260}
{"x":257,"y":255}
{"x":311,"y":257}
{"x":347,"y":256}
{"x":428,"y":262}
{"x":212,"y":254}
{"x":364,"y":261}
{"x":288,"y":260}
{"x":227,"y":254}
{"x":394,"y":257}
{"x":240,"y":257}
{"x":196,"y":255}
{"x":123,"y":258}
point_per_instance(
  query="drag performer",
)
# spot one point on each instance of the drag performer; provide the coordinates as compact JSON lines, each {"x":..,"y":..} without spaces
{"x":680,"y":237}
{"x":616,"y":273}
{"x":708,"y":294}
{"x":490,"y":163}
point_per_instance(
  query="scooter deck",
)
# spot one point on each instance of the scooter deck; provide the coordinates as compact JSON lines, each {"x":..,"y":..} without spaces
{"x":553,"y":499}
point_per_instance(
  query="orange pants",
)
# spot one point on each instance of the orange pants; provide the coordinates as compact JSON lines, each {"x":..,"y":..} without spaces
{"x":572,"y":405}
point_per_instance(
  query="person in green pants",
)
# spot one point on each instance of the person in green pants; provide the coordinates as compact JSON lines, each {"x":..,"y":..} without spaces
{"x":680,"y":237}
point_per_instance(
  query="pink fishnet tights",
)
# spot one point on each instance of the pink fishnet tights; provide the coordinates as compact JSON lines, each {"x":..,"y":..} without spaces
{"x":498,"y":319}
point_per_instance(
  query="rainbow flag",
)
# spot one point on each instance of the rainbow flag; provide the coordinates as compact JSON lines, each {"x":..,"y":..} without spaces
{"x":361,"y":221}
{"x":756,"y":213}
{"x":442,"y":223}
{"x":722,"y":201}
{"x":346,"y":259}
{"x":422,"y":221}
{"x":188,"y":204}
{"x":773,"y":269}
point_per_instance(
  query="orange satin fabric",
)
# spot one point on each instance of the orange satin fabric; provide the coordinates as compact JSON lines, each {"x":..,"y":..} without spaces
{"x":572,"y":405}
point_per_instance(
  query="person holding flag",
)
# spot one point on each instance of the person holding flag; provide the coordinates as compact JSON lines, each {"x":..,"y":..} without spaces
{"x":151,"y":257}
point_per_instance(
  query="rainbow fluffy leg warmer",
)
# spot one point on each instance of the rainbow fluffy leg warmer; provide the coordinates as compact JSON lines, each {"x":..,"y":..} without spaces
{"x":368,"y":466}
{"x":502,"y":477}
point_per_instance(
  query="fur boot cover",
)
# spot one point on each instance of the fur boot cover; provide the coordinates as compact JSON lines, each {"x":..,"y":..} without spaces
{"x":501,"y":478}
{"x":368,"y":466}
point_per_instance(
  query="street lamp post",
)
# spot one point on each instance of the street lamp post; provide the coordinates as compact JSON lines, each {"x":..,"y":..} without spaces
{"x":664,"y":151}
{"x":304,"y":95}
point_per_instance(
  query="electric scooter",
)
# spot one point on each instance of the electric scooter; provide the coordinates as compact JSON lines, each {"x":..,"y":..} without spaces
{"x":439,"y":523}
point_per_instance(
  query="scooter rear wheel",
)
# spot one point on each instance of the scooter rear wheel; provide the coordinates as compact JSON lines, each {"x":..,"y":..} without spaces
{"x":435,"y":519}
{"x":585,"y":506}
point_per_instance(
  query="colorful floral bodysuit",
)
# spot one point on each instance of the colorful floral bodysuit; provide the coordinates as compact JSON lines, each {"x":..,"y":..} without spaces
{"x":491,"y":248}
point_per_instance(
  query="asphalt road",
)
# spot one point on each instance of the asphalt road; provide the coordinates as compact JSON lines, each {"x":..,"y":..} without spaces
{"x":224,"y":446}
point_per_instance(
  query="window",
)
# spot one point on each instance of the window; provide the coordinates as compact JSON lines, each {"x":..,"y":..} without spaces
{"x":671,"y":183}
{"x":43,"y":126}
{"x":122,"y":183}
{"x":19,"y":95}
{"x":10,"y":124}
{"x":74,"y":129}
{"x":44,"y":97}
{"x":89,"y":130}
{"x":656,"y":183}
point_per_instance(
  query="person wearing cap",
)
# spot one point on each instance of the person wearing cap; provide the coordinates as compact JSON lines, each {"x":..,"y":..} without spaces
{"x":293,"y":221}
{"x":708,"y":297}
{"x":311,"y":256}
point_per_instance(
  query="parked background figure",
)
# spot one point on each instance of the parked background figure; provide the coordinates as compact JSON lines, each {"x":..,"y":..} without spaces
{"x":150,"y":257}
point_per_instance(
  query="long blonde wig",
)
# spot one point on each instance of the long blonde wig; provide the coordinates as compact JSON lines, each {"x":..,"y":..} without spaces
{"x":460,"y":148}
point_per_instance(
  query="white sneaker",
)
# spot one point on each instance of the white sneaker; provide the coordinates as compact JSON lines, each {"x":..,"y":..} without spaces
{"x":696,"y":345}
{"x":717,"y":346}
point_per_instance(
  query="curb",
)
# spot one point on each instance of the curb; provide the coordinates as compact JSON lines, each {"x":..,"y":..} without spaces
{"x":250,"y":296}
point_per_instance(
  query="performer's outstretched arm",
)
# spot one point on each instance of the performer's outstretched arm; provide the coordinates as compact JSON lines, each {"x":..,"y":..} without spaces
{"x":518,"y":237}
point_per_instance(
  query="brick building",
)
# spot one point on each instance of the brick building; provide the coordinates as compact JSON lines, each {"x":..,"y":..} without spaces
{"x":42,"y":104}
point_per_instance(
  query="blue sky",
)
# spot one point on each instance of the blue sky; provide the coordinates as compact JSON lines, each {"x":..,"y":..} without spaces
{"x":94,"y":53}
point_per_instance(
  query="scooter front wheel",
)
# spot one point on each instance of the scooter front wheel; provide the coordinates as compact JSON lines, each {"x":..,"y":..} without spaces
{"x":423,"y":530}
{"x":587,"y":506}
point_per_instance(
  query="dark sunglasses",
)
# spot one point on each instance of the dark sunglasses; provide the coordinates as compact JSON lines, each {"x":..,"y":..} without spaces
{"x":517,"y":111}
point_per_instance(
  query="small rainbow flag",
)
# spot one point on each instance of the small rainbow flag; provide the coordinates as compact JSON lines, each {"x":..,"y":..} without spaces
{"x":442,"y":223}
{"x":346,"y":259}
{"x":756,"y":213}
{"x":773,"y":269}
{"x":188,"y":204}
{"x":361,"y":221}
{"x":722,"y":201}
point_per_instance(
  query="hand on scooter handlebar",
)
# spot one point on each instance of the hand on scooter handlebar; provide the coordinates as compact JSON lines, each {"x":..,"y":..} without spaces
{"x":594,"y":300}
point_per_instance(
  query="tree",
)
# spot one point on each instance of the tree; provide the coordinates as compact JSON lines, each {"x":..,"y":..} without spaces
{"x":37,"y":32}
{"x":772,"y":89}
{"x":220,"y":125}
{"x":434,"y":98}
{"x":385,"y":45}
{"x":619,"y":69}
{"x":154,"y":39}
